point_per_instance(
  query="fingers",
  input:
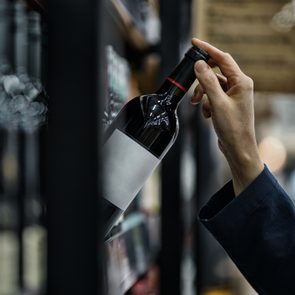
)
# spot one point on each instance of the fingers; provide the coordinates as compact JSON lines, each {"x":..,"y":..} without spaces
{"x":223,"y":81}
{"x":223,"y":60}
{"x":206,"y":109}
{"x":209,"y":82}
{"x":199,"y":90}
{"x":198,"y":94}
{"x":198,"y":97}
{"x":220,"y":145}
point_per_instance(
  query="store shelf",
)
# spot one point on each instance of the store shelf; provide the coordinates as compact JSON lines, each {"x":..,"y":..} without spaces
{"x":133,"y":22}
{"x":37,"y":5}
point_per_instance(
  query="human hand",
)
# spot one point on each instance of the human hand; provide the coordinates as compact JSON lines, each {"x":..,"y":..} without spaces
{"x":229,"y":102}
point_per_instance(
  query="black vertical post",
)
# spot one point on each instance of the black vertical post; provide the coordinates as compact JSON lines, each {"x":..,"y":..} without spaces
{"x":204,"y":166}
{"x":73,"y":186}
{"x":207,"y":251}
{"x":171,"y":228}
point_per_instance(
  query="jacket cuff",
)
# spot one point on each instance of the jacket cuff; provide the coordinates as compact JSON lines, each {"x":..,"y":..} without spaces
{"x":225,"y":211}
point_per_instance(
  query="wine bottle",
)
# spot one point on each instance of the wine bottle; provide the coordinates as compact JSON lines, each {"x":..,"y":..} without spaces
{"x":34,"y":232}
{"x":141,"y":135}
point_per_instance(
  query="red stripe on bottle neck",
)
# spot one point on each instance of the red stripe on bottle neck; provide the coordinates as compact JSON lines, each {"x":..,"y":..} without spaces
{"x":176,"y":84}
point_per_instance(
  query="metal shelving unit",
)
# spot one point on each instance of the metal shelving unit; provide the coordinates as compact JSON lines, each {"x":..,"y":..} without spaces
{"x":171,"y":235}
{"x":74,"y":173}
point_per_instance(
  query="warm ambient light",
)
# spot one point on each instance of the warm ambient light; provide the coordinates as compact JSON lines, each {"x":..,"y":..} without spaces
{"x":273,"y":153}
{"x":284,"y":20}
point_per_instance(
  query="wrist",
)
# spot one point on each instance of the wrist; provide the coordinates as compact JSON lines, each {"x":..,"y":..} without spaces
{"x":245,"y":169}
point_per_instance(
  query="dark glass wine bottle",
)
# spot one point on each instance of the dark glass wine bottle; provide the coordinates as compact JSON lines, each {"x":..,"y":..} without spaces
{"x":141,"y":135}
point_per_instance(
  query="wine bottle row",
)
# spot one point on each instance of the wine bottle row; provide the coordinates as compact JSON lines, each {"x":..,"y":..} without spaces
{"x":23,"y":110}
{"x":144,"y":15}
{"x":117,"y":84}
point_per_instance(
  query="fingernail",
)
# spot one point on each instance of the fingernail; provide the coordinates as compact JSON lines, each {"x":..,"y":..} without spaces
{"x":201,"y":66}
{"x":193,"y":99}
{"x":196,"y":98}
{"x":194,"y":102}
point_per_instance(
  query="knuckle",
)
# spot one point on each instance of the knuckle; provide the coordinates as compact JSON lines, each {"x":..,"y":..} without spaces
{"x":227,"y":56}
{"x":234,"y":80}
{"x":248,"y":83}
{"x":244,"y":82}
{"x":210,"y":78}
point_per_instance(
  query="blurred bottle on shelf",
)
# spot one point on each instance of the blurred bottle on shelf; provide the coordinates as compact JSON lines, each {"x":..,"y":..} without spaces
{"x":117,"y":81}
{"x":9,"y":243}
{"x":127,"y":255}
{"x":22,"y":112}
{"x":9,"y":169}
{"x":34,"y":234}
{"x":5,"y":36}
{"x":141,"y":15}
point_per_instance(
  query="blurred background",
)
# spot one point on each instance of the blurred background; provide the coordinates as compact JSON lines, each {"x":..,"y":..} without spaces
{"x":66,"y":70}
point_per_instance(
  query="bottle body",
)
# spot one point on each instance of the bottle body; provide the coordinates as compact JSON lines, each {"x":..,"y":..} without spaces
{"x":135,"y":143}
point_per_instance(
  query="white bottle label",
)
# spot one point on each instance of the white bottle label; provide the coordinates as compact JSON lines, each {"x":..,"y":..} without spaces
{"x":127,"y":167}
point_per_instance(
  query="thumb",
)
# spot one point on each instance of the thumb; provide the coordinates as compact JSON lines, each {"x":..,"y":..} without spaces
{"x":207,"y":78}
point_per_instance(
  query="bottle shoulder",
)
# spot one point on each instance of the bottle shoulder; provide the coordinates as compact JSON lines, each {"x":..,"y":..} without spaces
{"x":147,"y":121}
{"x":153,"y":104}
{"x":157,"y":112}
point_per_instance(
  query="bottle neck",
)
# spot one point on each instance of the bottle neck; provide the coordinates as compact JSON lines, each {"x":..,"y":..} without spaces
{"x":178,"y":83}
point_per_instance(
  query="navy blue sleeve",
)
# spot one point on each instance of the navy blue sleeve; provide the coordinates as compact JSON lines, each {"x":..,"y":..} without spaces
{"x":257,"y":230}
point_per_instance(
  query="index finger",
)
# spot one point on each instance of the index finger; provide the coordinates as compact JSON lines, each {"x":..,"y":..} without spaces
{"x":224,"y":61}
